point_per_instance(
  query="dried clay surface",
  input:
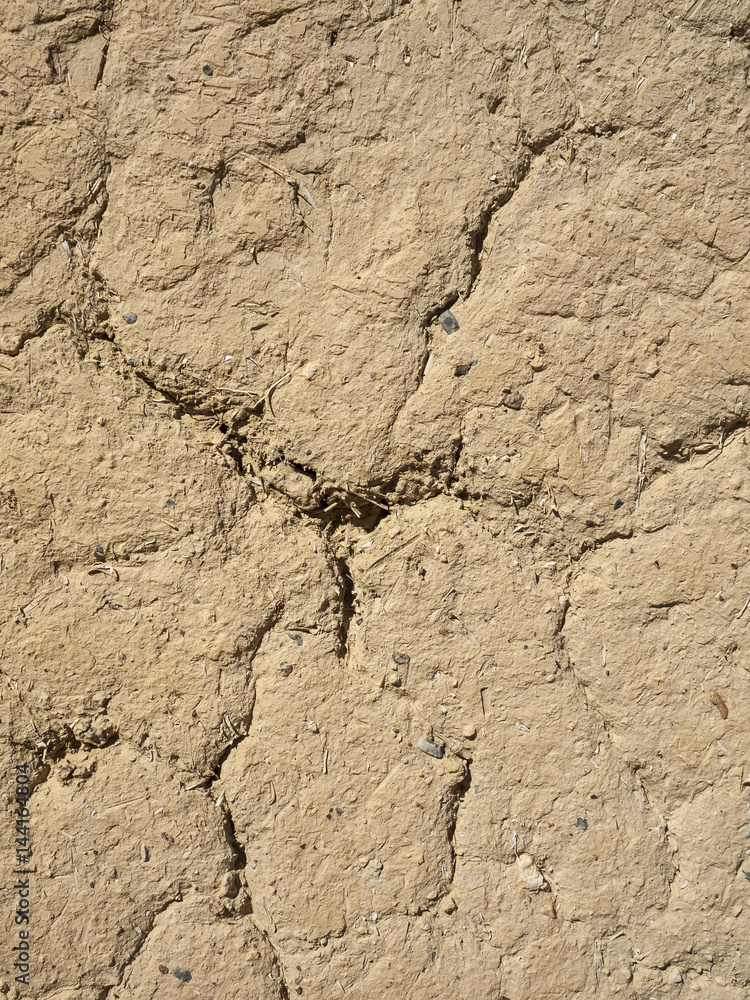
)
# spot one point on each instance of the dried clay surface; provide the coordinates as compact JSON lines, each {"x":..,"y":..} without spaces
{"x":374,"y":562}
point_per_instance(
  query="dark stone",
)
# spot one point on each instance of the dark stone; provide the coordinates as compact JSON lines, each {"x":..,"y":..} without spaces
{"x":448,"y":321}
{"x":433,"y":749}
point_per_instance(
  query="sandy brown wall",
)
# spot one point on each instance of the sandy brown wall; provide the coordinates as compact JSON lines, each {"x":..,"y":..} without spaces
{"x":270,"y":517}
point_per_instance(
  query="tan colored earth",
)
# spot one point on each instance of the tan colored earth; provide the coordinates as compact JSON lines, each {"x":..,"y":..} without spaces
{"x":355,"y":648}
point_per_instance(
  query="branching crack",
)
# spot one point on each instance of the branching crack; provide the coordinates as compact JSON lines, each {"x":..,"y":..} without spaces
{"x":139,"y":946}
{"x":661,"y":821}
{"x":45,"y":321}
{"x":281,"y":981}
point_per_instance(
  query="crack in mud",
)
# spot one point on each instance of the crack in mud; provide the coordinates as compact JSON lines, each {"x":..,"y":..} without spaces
{"x":633,"y":771}
{"x":45,"y":321}
{"x":461,"y":790}
{"x":139,"y":946}
{"x":348,"y":609}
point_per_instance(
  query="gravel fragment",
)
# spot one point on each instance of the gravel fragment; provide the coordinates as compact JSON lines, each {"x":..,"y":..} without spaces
{"x":448,"y":321}
{"x":433,"y":749}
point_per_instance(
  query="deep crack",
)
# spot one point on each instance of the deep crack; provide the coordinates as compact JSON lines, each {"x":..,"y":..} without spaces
{"x":347,"y":608}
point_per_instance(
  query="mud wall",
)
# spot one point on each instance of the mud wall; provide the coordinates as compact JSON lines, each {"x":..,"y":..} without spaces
{"x":375,"y":373}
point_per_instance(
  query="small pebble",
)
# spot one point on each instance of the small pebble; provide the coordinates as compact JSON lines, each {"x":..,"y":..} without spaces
{"x":163,"y":969}
{"x":448,"y":321}
{"x":295,"y":637}
{"x":433,"y":749}
{"x":513,"y":400}
{"x":469,"y":732}
{"x":130,"y":318}
{"x":531,"y":877}
{"x":208,"y":71}
{"x":618,"y":503}
{"x":230,"y":884}
{"x":401,"y":658}
{"x":131,"y":362}
{"x":182,"y":974}
{"x":286,"y":669}
{"x":394,"y":680}
{"x":582,"y":824}
{"x":460,"y":370}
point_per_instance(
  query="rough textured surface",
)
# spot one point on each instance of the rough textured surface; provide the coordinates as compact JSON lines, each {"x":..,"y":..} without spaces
{"x":270,"y":519}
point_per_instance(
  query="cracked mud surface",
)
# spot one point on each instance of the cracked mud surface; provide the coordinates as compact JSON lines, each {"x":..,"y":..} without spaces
{"x":270,"y":519}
